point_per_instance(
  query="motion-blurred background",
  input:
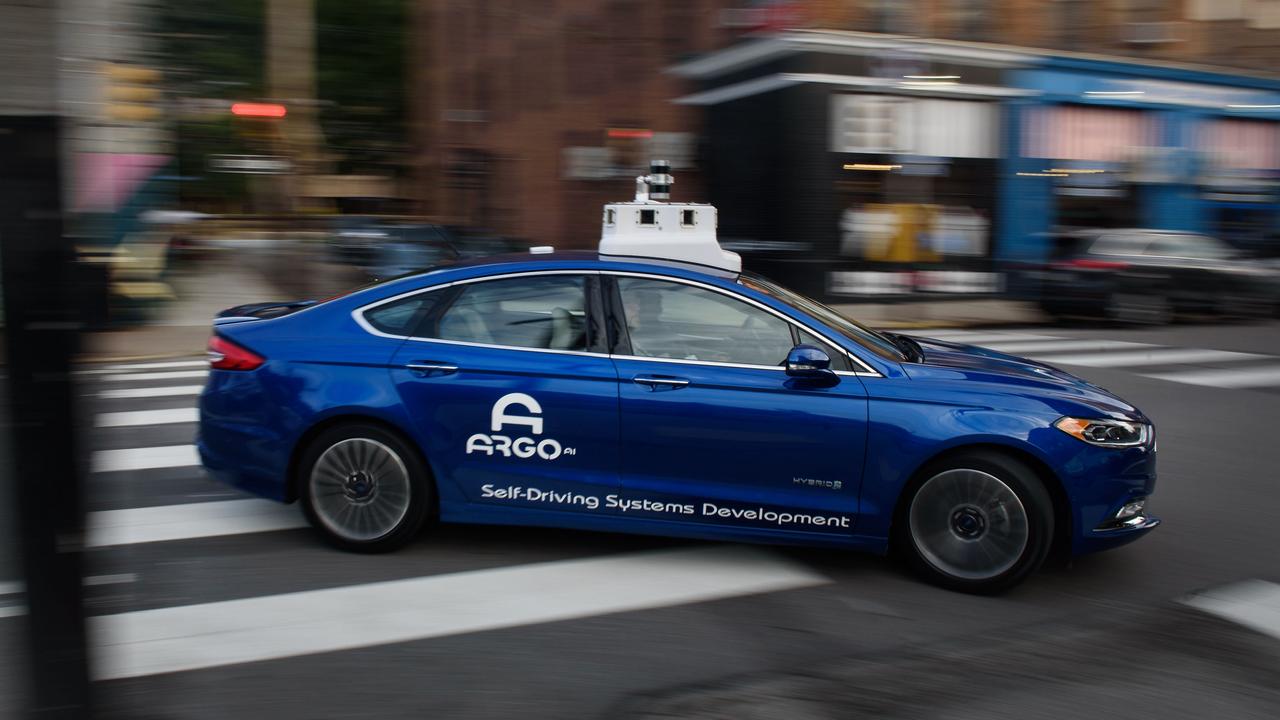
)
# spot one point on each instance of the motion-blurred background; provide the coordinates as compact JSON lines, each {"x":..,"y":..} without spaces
{"x":886,"y":152}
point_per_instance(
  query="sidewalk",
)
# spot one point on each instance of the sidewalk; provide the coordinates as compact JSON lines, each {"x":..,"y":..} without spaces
{"x":235,"y":277}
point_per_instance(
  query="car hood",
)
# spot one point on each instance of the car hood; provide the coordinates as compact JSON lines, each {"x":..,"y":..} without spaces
{"x":1022,"y":375}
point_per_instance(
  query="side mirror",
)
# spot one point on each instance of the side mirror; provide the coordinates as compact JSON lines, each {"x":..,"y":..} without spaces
{"x":806,"y":362}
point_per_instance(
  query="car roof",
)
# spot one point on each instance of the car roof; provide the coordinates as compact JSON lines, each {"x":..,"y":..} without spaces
{"x":533,"y":261}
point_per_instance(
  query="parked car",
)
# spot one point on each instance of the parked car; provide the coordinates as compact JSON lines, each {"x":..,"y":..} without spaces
{"x":1152,"y":277}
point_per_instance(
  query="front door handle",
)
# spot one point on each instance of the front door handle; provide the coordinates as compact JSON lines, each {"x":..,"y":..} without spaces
{"x":660,"y":382}
{"x":424,"y":367}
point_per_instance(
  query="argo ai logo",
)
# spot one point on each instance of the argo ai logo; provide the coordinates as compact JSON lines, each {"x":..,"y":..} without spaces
{"x":521,"y":447}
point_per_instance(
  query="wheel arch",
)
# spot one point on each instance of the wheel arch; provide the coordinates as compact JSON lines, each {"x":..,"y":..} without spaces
{"x":1062,"y":519}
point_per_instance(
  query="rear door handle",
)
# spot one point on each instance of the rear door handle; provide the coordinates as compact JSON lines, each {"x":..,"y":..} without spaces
{"x":660,"y":382}
{"x":424,"y":367}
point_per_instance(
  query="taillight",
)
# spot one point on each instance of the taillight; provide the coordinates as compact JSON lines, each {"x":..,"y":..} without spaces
{"x":226,"y":355}
{"x":1090,"y":264}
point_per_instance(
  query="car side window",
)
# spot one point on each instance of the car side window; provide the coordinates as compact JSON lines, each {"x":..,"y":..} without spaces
{"x":400,"y":316}
{"x":538,"y":311}
{"x":684,"y":322}
{"x":839,"y":361}
{"x":1120,"y":244}
{"x":1187,"y":246}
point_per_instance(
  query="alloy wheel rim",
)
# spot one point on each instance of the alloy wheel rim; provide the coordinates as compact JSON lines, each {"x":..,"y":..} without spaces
{"x":360,"y":489}
{"x":969,"y":524}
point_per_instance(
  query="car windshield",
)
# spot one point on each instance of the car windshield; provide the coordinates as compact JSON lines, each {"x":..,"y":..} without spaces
{"x":855,"y":331}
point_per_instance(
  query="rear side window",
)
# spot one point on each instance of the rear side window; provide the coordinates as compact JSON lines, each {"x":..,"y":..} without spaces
{"x":1120,"y":244}
{"x":400,"y":317}
{"x":541,"y":311}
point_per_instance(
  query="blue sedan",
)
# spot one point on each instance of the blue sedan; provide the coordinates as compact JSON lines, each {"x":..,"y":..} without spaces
{"x":638,"y":395}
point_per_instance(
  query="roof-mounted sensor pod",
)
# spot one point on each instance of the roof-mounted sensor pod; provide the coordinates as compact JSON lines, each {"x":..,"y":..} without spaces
{"x":648,"y":227}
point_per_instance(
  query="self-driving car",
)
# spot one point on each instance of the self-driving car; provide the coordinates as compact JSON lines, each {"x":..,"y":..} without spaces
{"x":653,"y":386}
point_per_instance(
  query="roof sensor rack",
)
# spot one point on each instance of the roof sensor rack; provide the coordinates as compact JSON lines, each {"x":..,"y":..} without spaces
{"x":648,"y":227}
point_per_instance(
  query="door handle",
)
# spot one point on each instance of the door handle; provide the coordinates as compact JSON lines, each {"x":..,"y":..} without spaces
{"x":653,"y":382}
{"x":427,"y":368}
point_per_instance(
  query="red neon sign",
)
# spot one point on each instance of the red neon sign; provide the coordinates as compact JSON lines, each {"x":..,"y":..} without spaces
{"x":264,"y":110}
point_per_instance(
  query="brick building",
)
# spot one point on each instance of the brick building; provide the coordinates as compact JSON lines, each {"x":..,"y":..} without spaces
{"x":530,"y":113}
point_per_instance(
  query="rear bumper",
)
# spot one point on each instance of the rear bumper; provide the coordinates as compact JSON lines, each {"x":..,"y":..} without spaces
{"x":240,"y":441}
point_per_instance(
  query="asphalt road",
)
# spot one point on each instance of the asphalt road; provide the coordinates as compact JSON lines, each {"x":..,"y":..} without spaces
{"x":532,"y":623}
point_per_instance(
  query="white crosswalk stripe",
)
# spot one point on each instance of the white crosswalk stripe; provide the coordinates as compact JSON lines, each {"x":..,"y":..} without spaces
{"x":151,"y":392}
{"x":1154,"y":356}
{"x":145,"y":458}
{"x":108,"y":369}
{"x":165,"y":523}
{"x":971,"y":337}
{"x":191,"y":637}
{"x":163,"y":375}
{"x":1238,"y":369}
{"x":1078,"y":346}
{"x":1242,"y":378}
{"x":136,"y":418}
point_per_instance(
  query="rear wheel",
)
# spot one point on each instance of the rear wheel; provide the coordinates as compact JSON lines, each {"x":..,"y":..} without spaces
{"x":364,"y":488}
{"x":979,"y":522}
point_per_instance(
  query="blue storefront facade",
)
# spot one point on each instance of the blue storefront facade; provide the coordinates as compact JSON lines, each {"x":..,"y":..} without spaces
{"x":856,"y":166}
{"x":1106,"y":142}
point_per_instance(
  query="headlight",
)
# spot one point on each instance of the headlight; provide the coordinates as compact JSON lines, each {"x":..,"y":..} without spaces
{"x":1106,"y":433}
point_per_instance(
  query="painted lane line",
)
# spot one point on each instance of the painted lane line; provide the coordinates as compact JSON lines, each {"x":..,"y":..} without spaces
{"x":165,"y":375}
{"x":108,"y":528}
{"x":1239,"y":378}
{"x":1158,"y":356}
{"x":145,"y":366}
{"x":1252,"y":603}
{"x":1045,"y":346}
{"x":146,"y":458}
{"x":208,"y":635}
{"x":135,"y":418}
{"x":149,"y":392}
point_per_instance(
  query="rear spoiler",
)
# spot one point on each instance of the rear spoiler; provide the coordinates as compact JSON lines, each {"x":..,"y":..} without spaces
{"x":259,"y":311}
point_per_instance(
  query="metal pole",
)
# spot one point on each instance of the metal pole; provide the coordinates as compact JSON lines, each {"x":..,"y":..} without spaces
{"x":42,"y":322}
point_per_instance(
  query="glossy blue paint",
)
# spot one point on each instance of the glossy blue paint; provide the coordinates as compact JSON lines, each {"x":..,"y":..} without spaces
{"x":518,"y":436}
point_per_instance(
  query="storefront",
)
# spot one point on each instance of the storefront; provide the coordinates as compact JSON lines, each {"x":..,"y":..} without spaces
{"x":858,"y":168}
{"x":1110,"y":143}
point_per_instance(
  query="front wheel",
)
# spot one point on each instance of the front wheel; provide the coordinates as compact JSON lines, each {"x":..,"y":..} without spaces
{"x":979,"y":523}
{"x":364,"y":488}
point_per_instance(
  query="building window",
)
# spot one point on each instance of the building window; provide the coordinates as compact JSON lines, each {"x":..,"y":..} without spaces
{"x":896,"y":17}
{"x":970,"y":19}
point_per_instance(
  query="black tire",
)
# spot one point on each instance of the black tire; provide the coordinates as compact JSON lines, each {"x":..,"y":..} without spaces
{"x":386,"y":482}
{"x":925,"y":517}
